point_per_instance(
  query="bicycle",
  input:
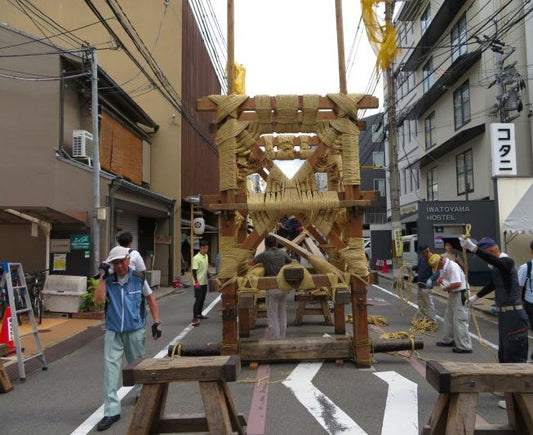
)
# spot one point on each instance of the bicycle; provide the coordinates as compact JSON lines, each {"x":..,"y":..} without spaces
{"x":35,"y":283}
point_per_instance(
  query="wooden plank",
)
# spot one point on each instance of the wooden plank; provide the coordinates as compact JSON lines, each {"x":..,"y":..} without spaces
{"x":216,"y":411}
{"x":311,"y":247}
{"x":461,"y":377}
{"x":179,"y":423}
{"x":439,"y":416}
{"x":462,"y":414}
{"x":5,"y":383}
{"x":246,"y":299}
{"x":147,"y":410}
{"x":164,"y":370}
{"x":244,"y":321}
{"x":232,"y":409}
{"x":204,"y":104}
{"x":523,"y":412}
{"x":297,"y":349}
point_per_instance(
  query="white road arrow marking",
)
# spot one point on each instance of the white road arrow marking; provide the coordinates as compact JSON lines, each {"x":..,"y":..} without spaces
{"x":333,"y":419}
{"x":401,"y":409}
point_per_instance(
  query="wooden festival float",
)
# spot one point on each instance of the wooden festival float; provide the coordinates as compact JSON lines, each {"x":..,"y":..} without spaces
{"x":251,"y":133}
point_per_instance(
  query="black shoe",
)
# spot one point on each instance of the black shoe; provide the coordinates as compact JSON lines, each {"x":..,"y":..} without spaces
{"x":444,"y":344}
{"x":201,"y":316}
{"x":195,"y":322}
{"x":459,"y":350}
{"x":106,"y":422}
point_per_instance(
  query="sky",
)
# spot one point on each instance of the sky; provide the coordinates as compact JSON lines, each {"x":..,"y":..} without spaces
{"x":290,"y":46}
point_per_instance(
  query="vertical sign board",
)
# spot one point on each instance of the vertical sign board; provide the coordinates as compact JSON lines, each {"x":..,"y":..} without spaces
{"x":503,"y":149}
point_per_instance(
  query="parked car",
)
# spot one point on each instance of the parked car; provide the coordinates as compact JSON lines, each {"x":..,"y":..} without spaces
{"x":410,"y":250}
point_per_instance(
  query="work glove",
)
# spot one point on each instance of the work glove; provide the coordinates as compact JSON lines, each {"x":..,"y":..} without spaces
{"x":472,"y":299}
{"x":467,"y":243}
{"x":429,"y":283}
{"x":196,"y":284}
{"x":156,"y":330}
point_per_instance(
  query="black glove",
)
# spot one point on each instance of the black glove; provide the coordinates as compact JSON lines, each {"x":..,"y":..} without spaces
{"x":105,"y":267}
{"x":156,"y":330}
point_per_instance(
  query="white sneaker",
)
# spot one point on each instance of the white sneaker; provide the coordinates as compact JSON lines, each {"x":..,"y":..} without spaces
{"x":502,"y":404}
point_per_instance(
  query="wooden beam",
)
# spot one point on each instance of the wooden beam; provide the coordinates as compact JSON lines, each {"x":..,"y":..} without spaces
{"x":463,"y":377}
{"x":296,"y":349}
{"x":204,"y":104}
{"x":340,"y":47}
{"x":269,"y":282}
{"x":230,"y":67}
{"x":164,"y":370}
{"x":244,"y":206}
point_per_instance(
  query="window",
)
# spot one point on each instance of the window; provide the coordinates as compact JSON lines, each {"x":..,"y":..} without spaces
{"x":425,"y":19}
{"x":464,"y":166}
{"x":458,"y":38}
{"x":433,"y":185}
{"x":429,"y":129}
{"x":427,"y":75}
{"x":379,"y":185}
{"x":378,"y":158}
{"x":461,"y":105}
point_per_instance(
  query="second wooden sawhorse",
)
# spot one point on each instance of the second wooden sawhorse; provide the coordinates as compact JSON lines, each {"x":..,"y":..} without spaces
{"x":459,"y":385}
{"x":211,"y":373}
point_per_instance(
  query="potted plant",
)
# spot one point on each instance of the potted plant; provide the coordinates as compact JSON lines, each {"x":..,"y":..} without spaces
{"x":88,"y":309}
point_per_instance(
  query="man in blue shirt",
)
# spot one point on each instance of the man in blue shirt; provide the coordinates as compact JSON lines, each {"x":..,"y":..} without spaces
{"x":425,"y":278}
{"x":125,"y":321}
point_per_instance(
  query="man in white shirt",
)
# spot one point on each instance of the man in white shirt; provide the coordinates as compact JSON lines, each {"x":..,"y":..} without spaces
{"x":453,"y":280}
{"x":526,"y":286}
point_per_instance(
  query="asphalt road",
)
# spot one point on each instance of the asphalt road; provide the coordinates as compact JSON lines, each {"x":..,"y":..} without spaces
{"x":391,"y":397}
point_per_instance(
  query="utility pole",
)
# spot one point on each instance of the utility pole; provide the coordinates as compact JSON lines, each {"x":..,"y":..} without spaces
{"x":393,"y":147}
{"x":96,"y":160}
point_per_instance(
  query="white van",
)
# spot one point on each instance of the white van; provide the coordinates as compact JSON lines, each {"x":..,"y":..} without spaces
{"x":410,"y":250}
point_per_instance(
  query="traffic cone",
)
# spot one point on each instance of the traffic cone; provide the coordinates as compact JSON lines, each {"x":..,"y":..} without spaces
{"x":6,"y":334}
{"x":385,"y":267}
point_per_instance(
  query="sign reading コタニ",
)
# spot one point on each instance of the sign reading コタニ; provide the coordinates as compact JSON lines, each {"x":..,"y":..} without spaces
{"x":503,"y":149}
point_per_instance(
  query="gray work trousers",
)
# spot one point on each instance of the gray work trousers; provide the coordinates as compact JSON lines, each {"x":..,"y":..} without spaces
{"x":426,"y":306}
{"x":456,"y":322}
{"x":277,"y":312}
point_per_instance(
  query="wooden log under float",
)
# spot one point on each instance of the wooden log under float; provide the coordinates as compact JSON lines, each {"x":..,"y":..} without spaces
{"x":396,"y":345}
{"x":295,"y":348}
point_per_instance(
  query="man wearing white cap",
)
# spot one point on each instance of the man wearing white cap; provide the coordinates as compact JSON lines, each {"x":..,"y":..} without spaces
{"x":125,"y":322}
{"x":453,"y":280}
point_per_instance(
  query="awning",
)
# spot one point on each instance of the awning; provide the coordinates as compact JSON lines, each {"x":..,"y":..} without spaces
{"x":45,"y":214}
{"x":520,"y":220}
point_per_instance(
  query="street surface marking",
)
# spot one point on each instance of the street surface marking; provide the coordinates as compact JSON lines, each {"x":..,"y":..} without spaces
{"x":401,"y":408}
{"x":333,"y":419}
{"x":258,"y":407}
{"x":88,"y":425}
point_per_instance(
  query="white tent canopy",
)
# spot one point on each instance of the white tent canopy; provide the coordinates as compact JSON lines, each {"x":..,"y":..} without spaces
{"x":520,"y":220}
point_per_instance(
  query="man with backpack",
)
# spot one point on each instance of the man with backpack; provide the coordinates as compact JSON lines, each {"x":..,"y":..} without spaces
{"x":526,"y":287}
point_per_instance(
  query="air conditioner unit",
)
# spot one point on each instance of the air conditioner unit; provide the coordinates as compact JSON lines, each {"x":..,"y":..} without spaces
{"x":82,"y":144}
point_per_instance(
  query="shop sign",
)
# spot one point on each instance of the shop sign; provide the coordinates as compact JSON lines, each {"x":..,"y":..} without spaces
{"x":79,"y":241}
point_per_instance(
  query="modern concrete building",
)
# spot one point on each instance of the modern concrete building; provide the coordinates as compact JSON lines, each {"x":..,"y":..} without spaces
{"x":155,"y":59}
{"x":462,"y":67}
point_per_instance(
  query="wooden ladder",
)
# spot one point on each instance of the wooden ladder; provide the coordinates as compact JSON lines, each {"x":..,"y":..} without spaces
{"x":14,"y":281}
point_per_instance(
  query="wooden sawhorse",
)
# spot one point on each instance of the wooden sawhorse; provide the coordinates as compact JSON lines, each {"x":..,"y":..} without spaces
{"x":459,"y":385}
{"x":211,"y":373}
{"x":303,"y":309}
